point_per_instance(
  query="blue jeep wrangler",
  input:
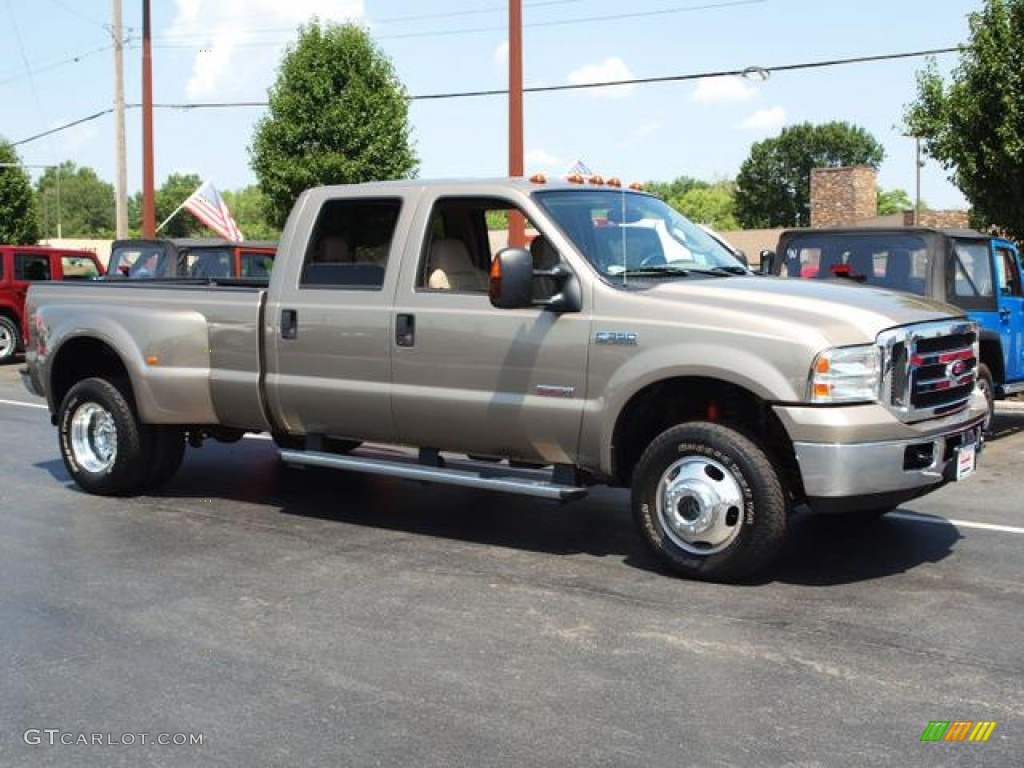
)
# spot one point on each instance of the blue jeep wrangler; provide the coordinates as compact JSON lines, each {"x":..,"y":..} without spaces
{"x":982,"y":275}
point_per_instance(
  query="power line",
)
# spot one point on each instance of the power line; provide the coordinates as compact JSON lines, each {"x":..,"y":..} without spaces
{"x":545,"y":88}
{"x":47,"y":67}
{"x":78,"y":13}
{"x":502,"y":28}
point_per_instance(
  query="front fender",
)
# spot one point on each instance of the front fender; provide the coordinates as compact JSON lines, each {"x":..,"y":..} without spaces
{"x":754,"y":373}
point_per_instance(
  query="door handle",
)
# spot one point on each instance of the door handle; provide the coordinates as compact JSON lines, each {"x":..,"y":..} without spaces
{"x":405,"y":330}
{"x":289,"y":324}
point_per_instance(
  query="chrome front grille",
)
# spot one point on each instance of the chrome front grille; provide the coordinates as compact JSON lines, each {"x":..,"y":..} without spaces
{"x":929,"y":370}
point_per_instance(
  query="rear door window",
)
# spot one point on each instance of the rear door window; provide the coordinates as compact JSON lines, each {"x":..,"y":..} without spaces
{"x":31,"y":266}
{"x":351,"y":244}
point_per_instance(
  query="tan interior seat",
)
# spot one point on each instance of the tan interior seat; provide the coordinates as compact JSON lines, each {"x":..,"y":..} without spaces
{"x":451,"y":269}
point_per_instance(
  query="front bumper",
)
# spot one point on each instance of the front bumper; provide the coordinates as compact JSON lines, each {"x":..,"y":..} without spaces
{"x":861,"y":457}
{"x":882,"y":467}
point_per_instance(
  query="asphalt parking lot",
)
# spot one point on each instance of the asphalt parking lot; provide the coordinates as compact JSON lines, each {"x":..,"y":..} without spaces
{"x":284,"y":617}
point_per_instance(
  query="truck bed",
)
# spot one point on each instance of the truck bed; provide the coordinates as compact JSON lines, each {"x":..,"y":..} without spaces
{"x":193,"y":348}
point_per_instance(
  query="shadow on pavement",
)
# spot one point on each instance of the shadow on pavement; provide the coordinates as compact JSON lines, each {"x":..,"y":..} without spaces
{"x":1006,"y":423}
{"x":822,"y":550}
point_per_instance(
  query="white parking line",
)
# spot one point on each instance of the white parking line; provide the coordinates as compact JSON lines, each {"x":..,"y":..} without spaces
{"x":23,"y":405}
{"x":915,"y":518}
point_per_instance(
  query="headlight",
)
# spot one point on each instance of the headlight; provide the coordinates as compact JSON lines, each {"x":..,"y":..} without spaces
{"x":846,"y":375}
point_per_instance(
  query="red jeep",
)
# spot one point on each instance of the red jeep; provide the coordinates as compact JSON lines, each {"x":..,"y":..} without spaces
{"x":20,"y":266}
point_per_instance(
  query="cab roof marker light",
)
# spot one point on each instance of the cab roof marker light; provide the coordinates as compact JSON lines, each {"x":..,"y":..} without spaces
{"x":539,"y":178}
{"x":575,"y":178}
{"x":637,"y":186}
{"x":596,"y":180}
{"x":613,"y":182}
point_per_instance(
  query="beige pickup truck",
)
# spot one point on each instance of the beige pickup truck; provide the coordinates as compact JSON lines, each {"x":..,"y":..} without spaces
{"x":623,"y":346}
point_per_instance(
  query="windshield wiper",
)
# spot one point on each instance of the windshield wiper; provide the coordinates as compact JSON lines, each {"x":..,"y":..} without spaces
{"x":717,"y":271}
{"x":730,"y":270}
{"x":652,"y":270}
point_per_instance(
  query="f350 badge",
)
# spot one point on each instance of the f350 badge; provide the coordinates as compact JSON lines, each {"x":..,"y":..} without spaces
{"x":617,"y":338}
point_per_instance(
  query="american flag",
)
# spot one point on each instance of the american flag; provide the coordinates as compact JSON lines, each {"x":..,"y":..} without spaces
{"x":210,"y":208}
{"x":581,"y":168}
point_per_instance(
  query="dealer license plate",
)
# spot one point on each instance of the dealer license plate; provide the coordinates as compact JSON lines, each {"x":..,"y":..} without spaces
{"x":966,"y":460}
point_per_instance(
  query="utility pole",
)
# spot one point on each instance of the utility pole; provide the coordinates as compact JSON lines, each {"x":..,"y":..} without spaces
{"x":148,"y":203}
{"x":120,"y":159}
{"x":516,"y":224}
{"x":917,"y":190}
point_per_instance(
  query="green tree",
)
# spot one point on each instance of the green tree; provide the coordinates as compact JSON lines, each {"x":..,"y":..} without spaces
{"x":773,"y":188}
{"x":77,"y":199}
{"x":974,"y":126}
{"x":714,"y":205}
{"x":338,"y":115}
{"x":19,"y":218}
{"x":675,"y":189}
{"x":892,"y":201}
{"x":248,"y":208}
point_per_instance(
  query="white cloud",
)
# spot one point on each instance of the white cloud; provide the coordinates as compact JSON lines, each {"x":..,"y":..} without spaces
{"x":541,"y":158}
{"x":711,"y":90}
{"x":220,"y":29}
{"x":610,"y":70}
{"x":501,"y":55}
{"x":765,"y":120}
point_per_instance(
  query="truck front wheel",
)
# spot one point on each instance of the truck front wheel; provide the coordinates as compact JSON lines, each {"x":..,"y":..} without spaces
{"x":104,"y":448}
{"x":709,"y":502}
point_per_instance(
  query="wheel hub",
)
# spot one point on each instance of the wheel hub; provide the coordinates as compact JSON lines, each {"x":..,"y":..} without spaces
{"x":699,"y":504}
{"x":93,"y":437}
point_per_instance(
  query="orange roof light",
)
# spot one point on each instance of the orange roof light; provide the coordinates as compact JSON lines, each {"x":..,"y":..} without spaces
{"x":575,"y":178}
{"x":636,"y":185}
{"x":539,"y":178}
{"x":596,"y":180}
{"x":613,"y":182}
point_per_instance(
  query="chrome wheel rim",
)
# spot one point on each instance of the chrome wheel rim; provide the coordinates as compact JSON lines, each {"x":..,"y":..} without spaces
{"x":7,"y":341}
{"x":93,"y":438}
{"x":700,"y":505}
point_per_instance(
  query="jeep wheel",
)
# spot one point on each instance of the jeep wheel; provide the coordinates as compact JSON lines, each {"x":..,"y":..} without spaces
{"x":709,"y":502}
{"x":105,"y":449}
{"x":8,"y":339}
{"x":985,"y":385}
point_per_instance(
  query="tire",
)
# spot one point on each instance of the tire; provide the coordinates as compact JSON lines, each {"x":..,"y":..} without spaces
{"x":168,"y":453}
{"x":709,"y":502}
{"x":985,"y":384}
{"x":10,"y":339}
{"x":105,"y":449}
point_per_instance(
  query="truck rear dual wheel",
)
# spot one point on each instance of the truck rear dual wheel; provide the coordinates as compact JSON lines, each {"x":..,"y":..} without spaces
{"x":104,"y":447}
{"x":709,"y":502}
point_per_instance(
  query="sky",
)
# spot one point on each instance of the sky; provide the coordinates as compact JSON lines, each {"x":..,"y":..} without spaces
{"x":59,"y":68}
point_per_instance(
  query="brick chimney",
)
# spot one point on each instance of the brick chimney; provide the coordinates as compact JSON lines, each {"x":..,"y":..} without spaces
{"x":842,"y":197}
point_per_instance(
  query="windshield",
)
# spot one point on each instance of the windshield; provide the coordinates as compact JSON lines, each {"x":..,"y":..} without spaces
{"x":627,"y":234}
